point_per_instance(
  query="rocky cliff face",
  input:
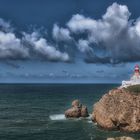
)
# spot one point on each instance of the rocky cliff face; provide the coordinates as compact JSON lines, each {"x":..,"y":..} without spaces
{"x":118,"y":109}
{"x":77,"y":110}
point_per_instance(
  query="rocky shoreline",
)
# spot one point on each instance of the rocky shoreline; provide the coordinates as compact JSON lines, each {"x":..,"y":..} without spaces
{"x":121,"y":138}
{"x":119,"y":109}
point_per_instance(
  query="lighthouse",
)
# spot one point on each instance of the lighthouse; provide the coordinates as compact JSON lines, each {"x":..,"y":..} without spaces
{"x":137,"y":70}
{"x":134,"y":80}
{"x":136,"y":74}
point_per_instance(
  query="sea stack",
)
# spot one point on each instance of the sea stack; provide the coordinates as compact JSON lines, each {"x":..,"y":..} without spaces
{"x":119,"y":109}
{"x":77,"y":110}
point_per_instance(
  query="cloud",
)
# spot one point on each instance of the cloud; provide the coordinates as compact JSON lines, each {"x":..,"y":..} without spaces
{"x":114,"y":38}
{"x":5,"y":26}
{"x":11,"y":47}
{"x":43,"y":49}
{"x":114,"y":34}
{"x":61,"y":34}
{"x":29,"y":46}
{"x":79,"y":24}
{"x":83,"y":46}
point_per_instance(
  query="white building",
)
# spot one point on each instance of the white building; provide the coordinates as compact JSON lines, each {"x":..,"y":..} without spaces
{"x":134,"y":80}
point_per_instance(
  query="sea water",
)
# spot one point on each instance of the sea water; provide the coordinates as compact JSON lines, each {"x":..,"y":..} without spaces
{"x":36,"y":112}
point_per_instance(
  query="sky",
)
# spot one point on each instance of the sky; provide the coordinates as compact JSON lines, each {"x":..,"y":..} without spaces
{"x":68,"y":41}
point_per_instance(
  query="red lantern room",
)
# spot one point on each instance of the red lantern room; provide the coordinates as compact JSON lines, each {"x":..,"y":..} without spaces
{"x":137,"y":71}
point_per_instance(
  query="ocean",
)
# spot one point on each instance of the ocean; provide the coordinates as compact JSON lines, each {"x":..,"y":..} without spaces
{"x":36,"y":112}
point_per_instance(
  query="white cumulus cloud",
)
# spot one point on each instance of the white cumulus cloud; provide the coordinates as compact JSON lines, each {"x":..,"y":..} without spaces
{"x":60,"y":34}
{"x":11,"y":47}
{"x":114,"y":33}
{"x":83,"y":46}
{"x":43,"y":49}
{"x":113,"y":38}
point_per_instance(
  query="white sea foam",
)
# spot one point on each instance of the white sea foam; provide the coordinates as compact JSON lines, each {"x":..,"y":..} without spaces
{"x":90,"y":121}
{"x":89,"y":117}
{"x":57,"y":117}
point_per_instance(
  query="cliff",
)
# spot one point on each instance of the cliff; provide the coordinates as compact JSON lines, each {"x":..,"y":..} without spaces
{"x":118,"y":109}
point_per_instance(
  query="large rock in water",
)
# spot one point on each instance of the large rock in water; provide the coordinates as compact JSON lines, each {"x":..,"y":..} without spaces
{"x":77,"y":110}
{"x":118,"y":109}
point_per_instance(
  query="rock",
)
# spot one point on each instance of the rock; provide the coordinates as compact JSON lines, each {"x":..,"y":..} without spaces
{"x":110,"y":138}
{"x":84,"y":111}
{"x":76,"y":103}
{"x":73,"y":112}
{"x":121,"y":138}
{"x":77,"y":110}
{"x":118,"y":109}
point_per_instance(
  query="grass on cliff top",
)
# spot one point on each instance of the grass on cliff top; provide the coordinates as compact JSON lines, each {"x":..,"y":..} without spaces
{"x":134,"y":88}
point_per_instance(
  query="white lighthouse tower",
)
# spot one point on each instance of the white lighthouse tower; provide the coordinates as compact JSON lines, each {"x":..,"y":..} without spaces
{"x":136,"y":75}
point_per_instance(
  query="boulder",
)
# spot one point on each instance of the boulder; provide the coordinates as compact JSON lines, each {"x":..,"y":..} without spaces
{"x":77,"y":110}
{"x":76,"y":103}
{"x":84,"y":111}
{"x":73,"y":112}
{"x":119,"y":109}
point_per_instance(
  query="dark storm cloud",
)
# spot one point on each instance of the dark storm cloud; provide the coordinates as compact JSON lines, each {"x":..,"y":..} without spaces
{"x":115,"y":36}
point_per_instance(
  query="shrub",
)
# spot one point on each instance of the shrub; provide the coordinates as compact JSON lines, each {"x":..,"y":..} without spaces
{"x":134,"y":88}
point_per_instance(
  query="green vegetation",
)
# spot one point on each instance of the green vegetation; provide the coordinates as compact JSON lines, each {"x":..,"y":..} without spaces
{"x":134,"y":88}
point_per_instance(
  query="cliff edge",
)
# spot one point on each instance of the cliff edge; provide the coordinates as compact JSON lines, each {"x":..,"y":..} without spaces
{"x":118,"y":109}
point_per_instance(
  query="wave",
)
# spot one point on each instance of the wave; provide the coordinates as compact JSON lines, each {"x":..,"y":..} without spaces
{"x":57,"y":117}
{"x":89,"y":121}
{"x":89,"y":117}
